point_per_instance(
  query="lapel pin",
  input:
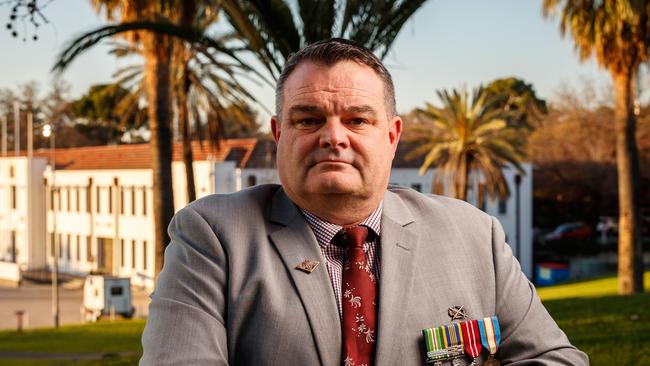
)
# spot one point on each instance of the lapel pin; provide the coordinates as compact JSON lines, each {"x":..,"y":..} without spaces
{"x":457,"y":312}
{"x":307,"y":265}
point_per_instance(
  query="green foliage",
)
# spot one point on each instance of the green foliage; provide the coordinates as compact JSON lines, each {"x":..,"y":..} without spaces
{"x":468,"y":134}
{"x":100,"y":114}
{"x":612,"y":330}
{"x":276,"y":29}
{"x":519,"y":98}
{"x":615,"y":30}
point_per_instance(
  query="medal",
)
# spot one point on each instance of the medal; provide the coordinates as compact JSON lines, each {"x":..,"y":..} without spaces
{"x":471,"y":339}
{"x":435,"y":344}
{"x":490,"y":338}
{"x":454,"y":342}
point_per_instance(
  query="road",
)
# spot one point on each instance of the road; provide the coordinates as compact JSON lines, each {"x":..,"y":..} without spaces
{"x":36,"y":300}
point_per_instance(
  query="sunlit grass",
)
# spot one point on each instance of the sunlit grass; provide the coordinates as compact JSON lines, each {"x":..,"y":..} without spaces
{"x":607,"y":286}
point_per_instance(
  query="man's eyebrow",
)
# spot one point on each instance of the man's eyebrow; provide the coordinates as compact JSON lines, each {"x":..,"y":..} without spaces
{"x":361,"y":109}
{"x":304,"y":108}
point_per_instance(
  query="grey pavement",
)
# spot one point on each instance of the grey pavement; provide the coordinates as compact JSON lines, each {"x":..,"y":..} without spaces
{"x":36,"y":300}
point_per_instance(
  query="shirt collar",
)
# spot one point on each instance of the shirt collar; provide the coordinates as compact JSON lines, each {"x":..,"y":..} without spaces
{"x":325,"y":231}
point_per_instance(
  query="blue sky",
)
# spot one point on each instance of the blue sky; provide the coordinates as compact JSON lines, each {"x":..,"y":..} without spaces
{"x":448,"y":43}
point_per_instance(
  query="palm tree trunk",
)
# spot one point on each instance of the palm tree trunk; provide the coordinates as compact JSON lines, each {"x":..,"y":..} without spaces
{"x":157,"y":73}
{"x":184,"y":122}
{"x":630,"y":269}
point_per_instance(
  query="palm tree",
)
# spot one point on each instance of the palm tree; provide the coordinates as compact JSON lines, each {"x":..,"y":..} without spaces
{"x":273,"y":34}
{"x":468,"y":136}
{"x":617,"y":32}
{"x":156,"y":51}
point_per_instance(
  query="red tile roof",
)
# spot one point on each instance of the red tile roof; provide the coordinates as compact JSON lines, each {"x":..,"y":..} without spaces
{"x":138,"y":156}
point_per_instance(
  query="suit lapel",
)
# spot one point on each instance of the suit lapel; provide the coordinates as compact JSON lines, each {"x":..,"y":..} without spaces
{"x":398,"y":252}
{"x":295,"y":242}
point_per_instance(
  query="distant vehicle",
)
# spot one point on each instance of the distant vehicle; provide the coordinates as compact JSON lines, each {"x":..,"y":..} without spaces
{"x":104,"y":295}
{"x":607,"y":229}
{"x":577,"y":230}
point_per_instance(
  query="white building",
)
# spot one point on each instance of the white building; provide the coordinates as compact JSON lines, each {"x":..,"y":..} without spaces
{"x":100,"y":210}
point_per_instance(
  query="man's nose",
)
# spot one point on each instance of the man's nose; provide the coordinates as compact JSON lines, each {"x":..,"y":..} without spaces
{"x":334,"y":134}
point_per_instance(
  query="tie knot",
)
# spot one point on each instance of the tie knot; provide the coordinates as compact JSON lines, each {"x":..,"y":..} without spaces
{"x":355,"y":236}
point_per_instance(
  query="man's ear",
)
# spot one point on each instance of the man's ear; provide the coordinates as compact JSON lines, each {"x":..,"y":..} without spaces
{"x":275,"y":128}
{"x":395,"y":131}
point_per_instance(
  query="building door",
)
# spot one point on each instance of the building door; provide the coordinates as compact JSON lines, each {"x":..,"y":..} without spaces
{"x":105,"y":255}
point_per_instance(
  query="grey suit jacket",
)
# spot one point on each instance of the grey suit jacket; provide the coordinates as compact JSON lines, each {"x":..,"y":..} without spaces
{"x":229,"y":292}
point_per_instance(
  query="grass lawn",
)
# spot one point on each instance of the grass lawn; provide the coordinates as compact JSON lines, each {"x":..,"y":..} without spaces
{"x":612,"y":330}
{"x":104,"y":338}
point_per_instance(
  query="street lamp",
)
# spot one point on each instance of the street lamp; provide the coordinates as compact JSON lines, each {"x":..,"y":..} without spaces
{"x":48,"y":131}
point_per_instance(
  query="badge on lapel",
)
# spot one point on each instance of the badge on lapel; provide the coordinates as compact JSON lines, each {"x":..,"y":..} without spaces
{"x":468,"y":337}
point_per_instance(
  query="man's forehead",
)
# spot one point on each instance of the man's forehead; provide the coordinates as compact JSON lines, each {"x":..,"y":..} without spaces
{"x":344,"y":76}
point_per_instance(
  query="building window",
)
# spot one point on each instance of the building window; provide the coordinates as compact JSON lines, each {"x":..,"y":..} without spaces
{"x":78,"y":256}
{"x":144,"y":255}
{"x":133,"y":201}
{"x":133,"y":262}
{"x":89,"y":253}
{"x":68,"y":248}
{"x":252,"y":180}
{"x":13,"y":199}
{"x":67,"y":199}
{"x":78,"y":197}
{"x":121,"y":201}
{"x":11,"y":171}
{"x":59,"y":246}
{"x":122,"y":251}
{"x":144,"y":201}
{"x":110,"y":199}
{"x":51,"y":201}
{"x":52,"y":244}
{"x":417,"y":187}
{"x":481,"y":197}
{"x":88,"y":200}
{"x":97,"y":204}
{"x":13,"y":251}
{"x":58,"y":199}
{"x":503,"y":206}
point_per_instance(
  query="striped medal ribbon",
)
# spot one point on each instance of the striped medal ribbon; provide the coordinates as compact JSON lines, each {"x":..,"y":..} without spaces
{"x":453,"y":341}
{"x":490,"y":338}
{"x":434,"y":341}
{"x":472,"y":337}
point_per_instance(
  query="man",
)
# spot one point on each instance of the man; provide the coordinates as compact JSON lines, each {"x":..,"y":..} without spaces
{"x":332,"y":267}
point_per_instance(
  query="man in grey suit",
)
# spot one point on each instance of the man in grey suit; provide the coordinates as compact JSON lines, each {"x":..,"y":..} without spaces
{"x":265,"y":276}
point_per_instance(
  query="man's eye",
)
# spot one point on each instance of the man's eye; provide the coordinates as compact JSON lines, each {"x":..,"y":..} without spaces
{"x":306,"y":122}
{"x":357,"y":121}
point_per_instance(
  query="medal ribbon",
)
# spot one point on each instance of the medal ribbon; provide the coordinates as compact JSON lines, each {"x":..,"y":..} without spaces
{"x":471,"y":337}
{"x":490,"y":333}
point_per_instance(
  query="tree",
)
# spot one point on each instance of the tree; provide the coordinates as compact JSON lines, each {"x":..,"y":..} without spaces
{"x":518,"y":98}
{"x":276,"y":29}
{"x":99,"y":116}
{"x":156,"y":51}
{"x":467,"y":136}
{"x":617,"y":32}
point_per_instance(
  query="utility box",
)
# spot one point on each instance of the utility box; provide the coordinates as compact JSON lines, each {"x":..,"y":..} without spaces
{"x":106,"y":295}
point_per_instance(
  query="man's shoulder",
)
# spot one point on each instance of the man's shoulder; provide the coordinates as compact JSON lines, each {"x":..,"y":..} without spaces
{"x":244,"y":201}
{"x":422,"y":204}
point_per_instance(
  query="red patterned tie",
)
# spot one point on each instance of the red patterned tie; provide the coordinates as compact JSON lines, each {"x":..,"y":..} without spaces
{"x":359,"y":302}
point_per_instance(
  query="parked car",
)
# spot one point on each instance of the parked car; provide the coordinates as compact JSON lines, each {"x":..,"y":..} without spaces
{"x":567,"y":240}
{"x":607,"y":229}
{"x":571,"y":230}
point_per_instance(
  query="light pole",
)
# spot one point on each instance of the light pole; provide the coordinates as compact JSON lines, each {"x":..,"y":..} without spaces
{"x":48,"y":131}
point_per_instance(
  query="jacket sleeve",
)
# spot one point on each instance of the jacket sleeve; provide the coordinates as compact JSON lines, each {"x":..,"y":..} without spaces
{"x":528,"y":333}
{"x":187,"y":314}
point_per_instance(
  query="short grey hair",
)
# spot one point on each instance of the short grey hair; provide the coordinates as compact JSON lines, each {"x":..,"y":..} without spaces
{"x":330,"y":52}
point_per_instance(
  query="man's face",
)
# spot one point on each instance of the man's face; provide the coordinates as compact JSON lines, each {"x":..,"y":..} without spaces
{"x":334,"y":136}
